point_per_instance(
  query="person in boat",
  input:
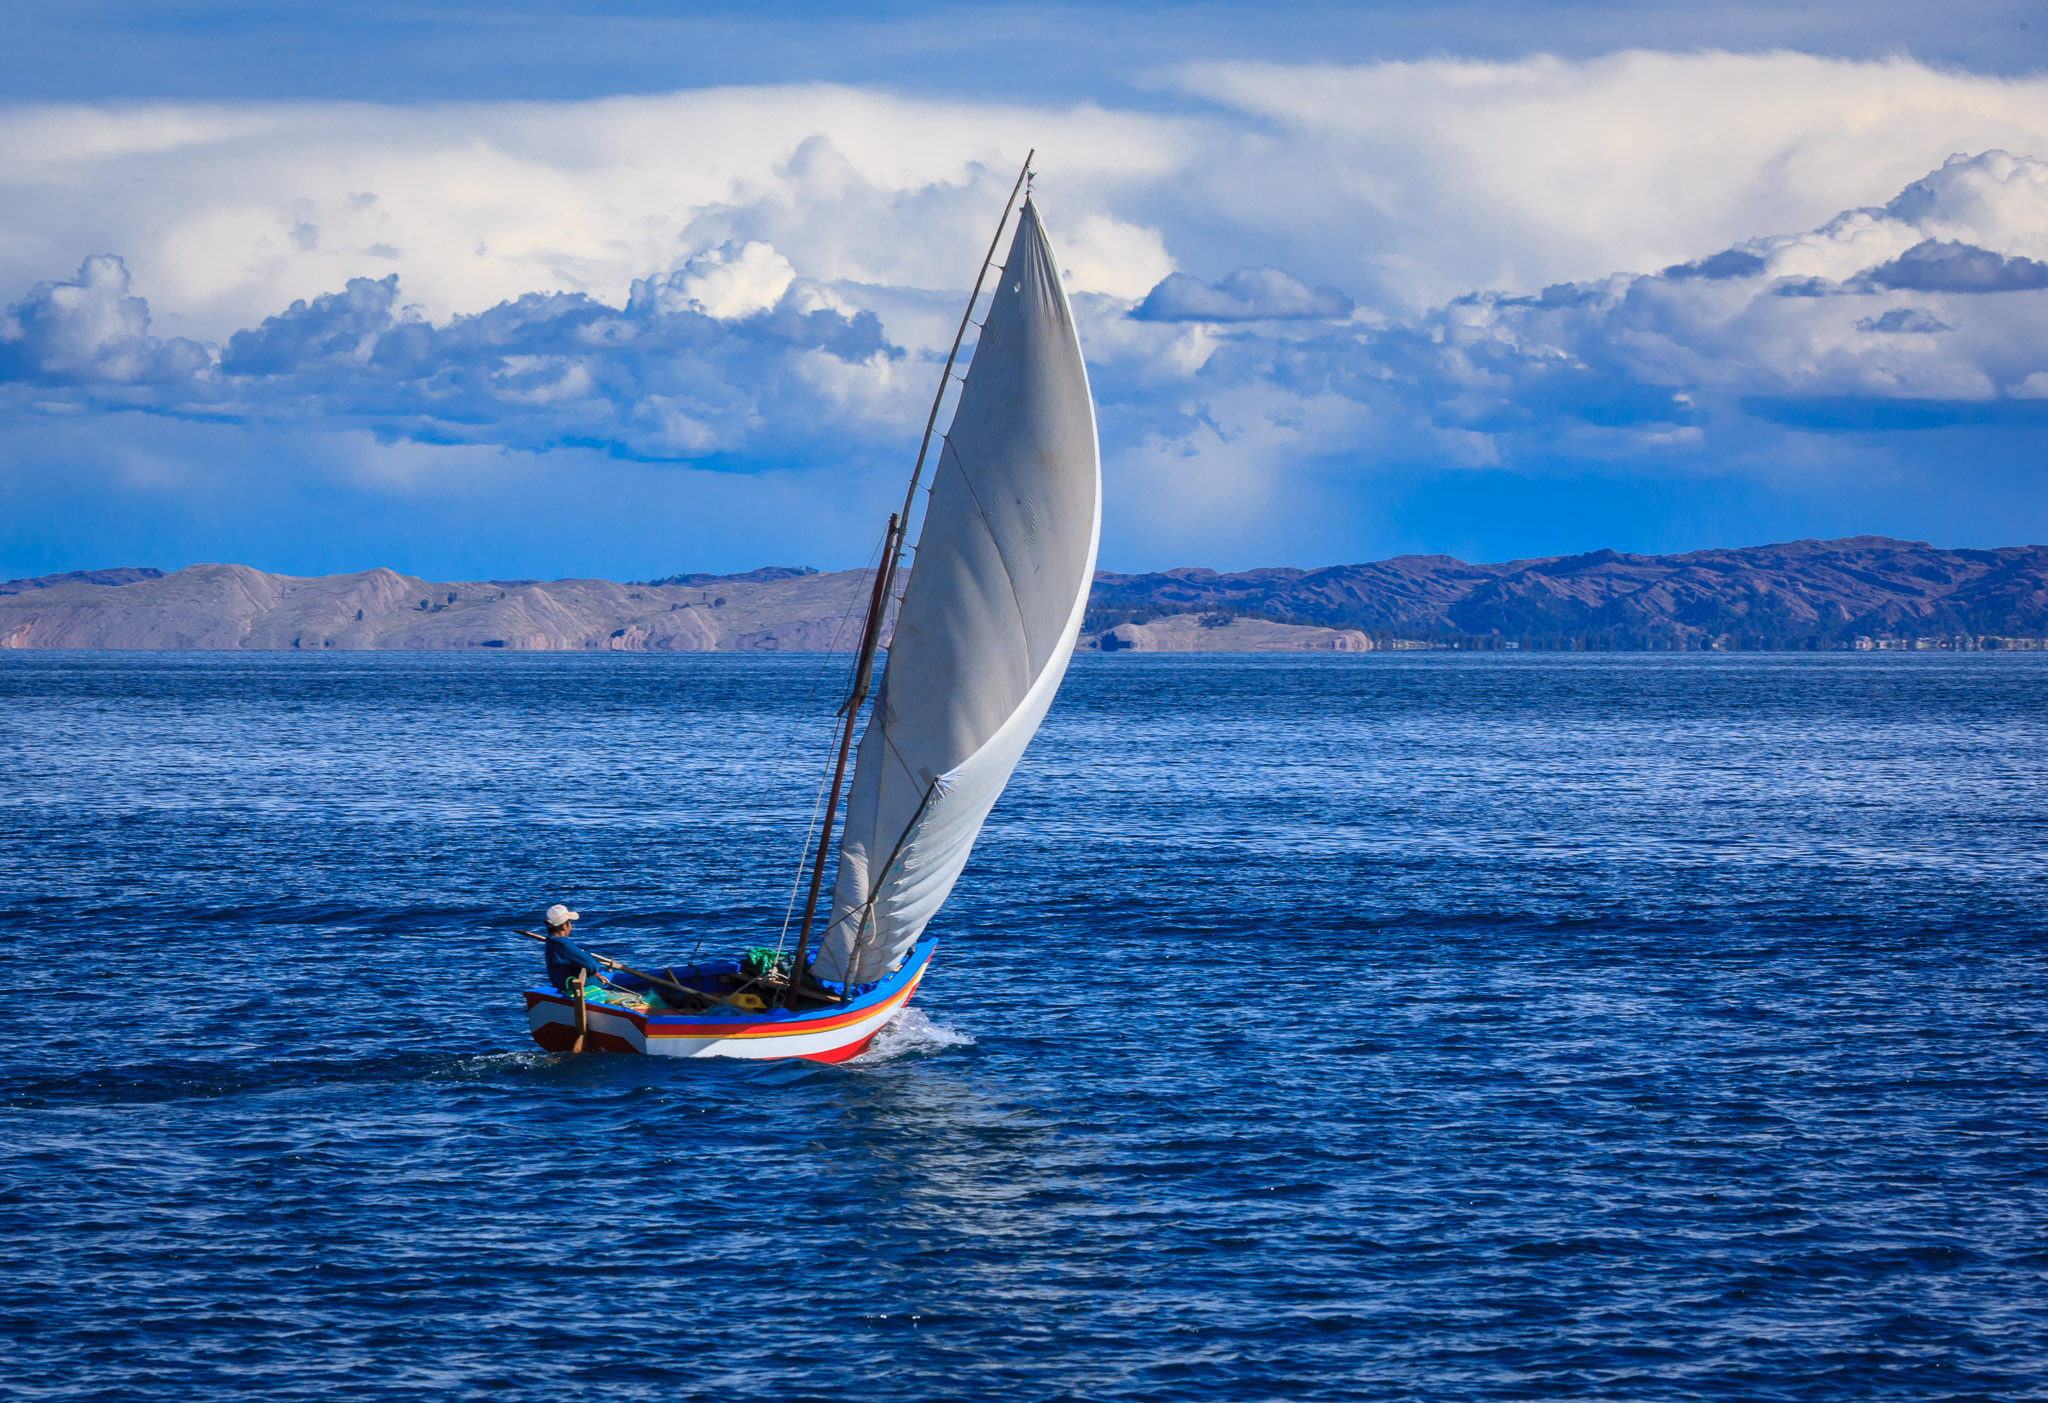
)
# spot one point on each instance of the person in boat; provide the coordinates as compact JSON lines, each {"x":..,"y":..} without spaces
{"x":569,"y":964}
{"x":574,"y":970}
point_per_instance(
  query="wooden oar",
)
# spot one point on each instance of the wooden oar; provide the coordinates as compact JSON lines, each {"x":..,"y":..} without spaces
{"x":704,"y":1000}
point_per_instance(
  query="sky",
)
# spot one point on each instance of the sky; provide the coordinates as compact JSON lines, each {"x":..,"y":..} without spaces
{"x":539,"y":290}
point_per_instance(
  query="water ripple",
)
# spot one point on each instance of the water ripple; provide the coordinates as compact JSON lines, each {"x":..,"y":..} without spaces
{"x":1353,"y":1027}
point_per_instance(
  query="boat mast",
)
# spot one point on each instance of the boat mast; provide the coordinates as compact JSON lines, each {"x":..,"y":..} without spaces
{"x":863,"y":669}
{"x":885,"y":583}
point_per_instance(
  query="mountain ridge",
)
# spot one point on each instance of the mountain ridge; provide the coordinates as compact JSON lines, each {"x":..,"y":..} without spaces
{"x":1796,"y":594}
{"x":1811,"y":594}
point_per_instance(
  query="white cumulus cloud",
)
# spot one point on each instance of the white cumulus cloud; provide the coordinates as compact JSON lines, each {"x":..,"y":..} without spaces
{"x":1452,"y":174}
{"x":1403,"y":184}
{"x":1464,"y":264}
{"x":734,"y":280}
{"x":90,"y":328}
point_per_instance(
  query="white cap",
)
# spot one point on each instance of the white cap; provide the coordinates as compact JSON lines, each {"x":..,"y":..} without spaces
{"x":558,"y":914}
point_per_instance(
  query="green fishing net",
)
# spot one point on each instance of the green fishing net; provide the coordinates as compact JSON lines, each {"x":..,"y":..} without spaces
{"x":763,"y":960}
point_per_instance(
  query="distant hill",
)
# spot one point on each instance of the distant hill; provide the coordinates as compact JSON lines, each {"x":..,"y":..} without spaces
{"x":763,"y":575}
{"x":1803,"y":594}
{"x":125,"y":576}
{"x":1866,"y":591}
{"x":233,"y":606}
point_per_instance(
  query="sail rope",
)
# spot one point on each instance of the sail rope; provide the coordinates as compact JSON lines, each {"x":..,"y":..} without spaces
{"x":867,"y":911}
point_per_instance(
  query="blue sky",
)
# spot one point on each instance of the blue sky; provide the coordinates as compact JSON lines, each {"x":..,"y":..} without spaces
{"x":525,"y":291}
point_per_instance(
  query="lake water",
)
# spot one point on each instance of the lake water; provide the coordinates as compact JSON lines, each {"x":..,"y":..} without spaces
{"x":1421,"y":1026}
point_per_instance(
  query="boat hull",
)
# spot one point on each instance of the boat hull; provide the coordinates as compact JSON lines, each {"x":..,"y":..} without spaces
{"x":823,"y":1035}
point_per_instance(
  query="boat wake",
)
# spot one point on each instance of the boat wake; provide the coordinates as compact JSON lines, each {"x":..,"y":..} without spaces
{"x":477,"y":1066}
{"x":910,"y":1034}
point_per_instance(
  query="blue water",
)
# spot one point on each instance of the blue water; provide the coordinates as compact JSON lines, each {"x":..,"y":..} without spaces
{"x":1433,"y":1027}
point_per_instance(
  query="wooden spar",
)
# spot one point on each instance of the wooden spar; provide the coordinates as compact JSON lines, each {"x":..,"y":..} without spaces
{"x":870,"y":634}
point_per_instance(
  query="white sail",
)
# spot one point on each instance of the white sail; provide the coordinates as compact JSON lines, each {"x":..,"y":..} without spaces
{"x":997,"y":590}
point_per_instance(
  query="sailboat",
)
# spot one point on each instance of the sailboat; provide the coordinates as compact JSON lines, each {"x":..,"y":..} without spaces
{"x":984,"y":630}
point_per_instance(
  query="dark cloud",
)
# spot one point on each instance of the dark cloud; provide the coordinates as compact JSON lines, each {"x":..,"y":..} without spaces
{"x":1249,"y":294}
{"x":1904,"y":319}
{"x":1731,"y":263}
{"x":1869,"y":414}
{"x":1947,"y":266}
{"x":1806,"y":287}
{"x":336,"y":329}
